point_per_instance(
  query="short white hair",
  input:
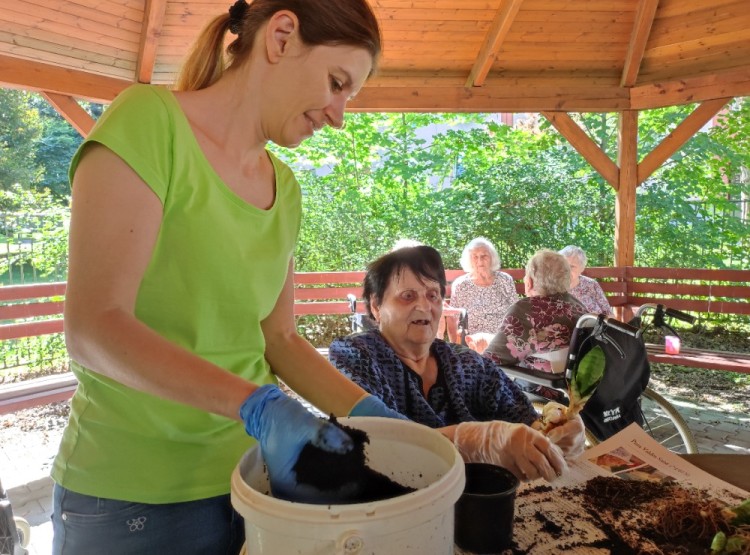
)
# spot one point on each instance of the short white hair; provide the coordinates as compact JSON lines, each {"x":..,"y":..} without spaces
{"x":550,"y":272}
{"x":480,"y":243}
{"x":571,"y":251}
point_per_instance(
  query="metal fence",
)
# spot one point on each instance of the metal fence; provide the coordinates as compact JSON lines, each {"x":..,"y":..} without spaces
{"x":32,"y":356}
{"x":33,"y":247}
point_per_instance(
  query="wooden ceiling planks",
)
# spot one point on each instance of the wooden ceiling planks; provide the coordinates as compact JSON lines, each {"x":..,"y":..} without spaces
{"x":439,"y":55}
{"x":38,"y":76}
{"x":66,"y":34}
{"x":153,"y":21}
{"x":590,"y":55}
{"x":644,"y":20}
{"x":493,"y":40}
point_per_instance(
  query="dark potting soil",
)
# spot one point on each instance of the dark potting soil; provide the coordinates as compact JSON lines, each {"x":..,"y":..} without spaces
{"x":621,"y":517}
{"x":328,"y":471}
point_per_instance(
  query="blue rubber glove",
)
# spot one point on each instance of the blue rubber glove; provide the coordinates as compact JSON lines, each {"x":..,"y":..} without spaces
{"x":373,"y":406}
{"x":283,"y":427}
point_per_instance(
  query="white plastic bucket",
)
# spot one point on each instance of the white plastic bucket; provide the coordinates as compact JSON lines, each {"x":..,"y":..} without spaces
{"x":420,"y":522}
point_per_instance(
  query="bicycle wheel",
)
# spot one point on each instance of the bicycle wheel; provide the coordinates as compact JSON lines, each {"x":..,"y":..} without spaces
{"x":24,"y":530}
{"x":660,"y":419}
{"x":665,"y":424}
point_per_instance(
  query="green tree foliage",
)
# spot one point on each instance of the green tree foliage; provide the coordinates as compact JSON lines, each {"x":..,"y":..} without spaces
{"x":525,"y":188}
{"x":54,"y":149}
{"x":19,"y":129}
{"x":33,"y":235}
{"x":367,"y":186}
{"x":689,"y":209}
{"x":445,"y":178}
{"x":519,"y":188}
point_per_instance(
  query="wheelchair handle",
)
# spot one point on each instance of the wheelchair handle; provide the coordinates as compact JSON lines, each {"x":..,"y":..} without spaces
{"x":610,"y":322}
{"x":685,"y":317}
{"x":665,"y":311}
{"x":622,"y":326}
{"x":646,"y":307}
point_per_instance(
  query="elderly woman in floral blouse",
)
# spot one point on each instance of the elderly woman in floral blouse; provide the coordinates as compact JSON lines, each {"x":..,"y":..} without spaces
{"x":484,"y":291}
{"x":583,"y":288}
{"x":541,"y":322}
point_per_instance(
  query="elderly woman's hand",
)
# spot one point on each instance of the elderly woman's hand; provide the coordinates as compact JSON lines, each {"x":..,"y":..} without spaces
{"x":569,"y":437}
{"x":478,"y":341}
{"x":566,"y":432}
{"x":524,"y":451}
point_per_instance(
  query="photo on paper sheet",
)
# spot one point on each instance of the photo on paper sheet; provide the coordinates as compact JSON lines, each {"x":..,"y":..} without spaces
{"x":646,"y":473}
{"x":617,"y":460}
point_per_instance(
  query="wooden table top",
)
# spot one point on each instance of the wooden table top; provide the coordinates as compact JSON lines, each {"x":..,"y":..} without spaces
{"x":734,"y":469}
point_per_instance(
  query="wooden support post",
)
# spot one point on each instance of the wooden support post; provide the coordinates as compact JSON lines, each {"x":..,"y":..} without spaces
{"x":625,"y":204}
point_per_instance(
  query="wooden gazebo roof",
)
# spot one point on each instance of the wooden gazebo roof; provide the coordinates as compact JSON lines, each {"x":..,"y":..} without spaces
{"x":440,"y":55}
{"x":549,"y":56}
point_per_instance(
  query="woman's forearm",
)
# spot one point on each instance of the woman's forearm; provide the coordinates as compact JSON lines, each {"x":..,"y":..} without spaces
{"x":300,"y":366}
{"x":115,"y":344}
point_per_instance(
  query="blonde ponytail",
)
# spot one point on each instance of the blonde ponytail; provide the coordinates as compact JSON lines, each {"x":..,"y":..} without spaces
{"x":206,"y":61}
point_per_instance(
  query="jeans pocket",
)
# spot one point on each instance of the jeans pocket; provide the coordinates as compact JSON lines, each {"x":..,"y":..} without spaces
{"x":92,"y":525}
{"x":76,"y":507}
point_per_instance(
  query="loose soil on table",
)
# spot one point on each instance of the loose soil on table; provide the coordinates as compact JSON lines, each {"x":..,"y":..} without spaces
{"x":612,"y":515}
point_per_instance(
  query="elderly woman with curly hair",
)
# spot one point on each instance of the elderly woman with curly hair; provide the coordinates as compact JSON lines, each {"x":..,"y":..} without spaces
{"x":484,"y":291}
{"x":541,"y":322}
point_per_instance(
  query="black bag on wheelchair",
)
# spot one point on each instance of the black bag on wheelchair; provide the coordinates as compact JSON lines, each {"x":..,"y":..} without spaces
{"x":616,"y":402}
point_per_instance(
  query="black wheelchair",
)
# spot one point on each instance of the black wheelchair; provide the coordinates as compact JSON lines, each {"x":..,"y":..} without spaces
{"x":14,"y":531}
{"x":622,"y":396}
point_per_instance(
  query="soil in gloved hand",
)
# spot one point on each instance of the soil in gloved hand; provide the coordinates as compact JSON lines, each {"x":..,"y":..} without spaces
{"x":328,"y":471}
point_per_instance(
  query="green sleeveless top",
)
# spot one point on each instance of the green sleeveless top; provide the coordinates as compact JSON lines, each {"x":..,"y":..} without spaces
{"x":217,"y":269}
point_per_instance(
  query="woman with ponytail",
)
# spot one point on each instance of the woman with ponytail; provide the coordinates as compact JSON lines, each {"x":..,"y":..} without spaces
{"x":178,"y":312}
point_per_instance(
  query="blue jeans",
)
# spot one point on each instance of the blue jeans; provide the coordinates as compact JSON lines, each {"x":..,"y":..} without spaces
{"x":85,"y":525}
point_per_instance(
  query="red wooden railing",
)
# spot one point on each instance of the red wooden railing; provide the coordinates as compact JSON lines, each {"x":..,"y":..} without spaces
{"x":34,"y":310}
{"x":31,"y":310}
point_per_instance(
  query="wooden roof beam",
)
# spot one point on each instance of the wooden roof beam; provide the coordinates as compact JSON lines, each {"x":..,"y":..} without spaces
{"x":153,"y":19}
{"x":16,"y":73}
{"x":679,"y":136}
{"x":488,"y":98}
{"x":68,"y":107}
{"x":496,"y":34}
{"x":585,"y":146}
{"x":725,"y":84}
{"x":644,"y":19}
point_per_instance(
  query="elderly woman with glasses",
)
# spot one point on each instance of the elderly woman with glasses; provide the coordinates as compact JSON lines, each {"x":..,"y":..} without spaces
{"x":441,"y":384}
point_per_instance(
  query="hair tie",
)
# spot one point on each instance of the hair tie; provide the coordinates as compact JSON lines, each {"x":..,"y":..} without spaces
{"x":236,"y":15}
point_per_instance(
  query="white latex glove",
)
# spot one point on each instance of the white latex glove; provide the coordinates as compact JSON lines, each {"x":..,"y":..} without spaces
{"x":568,"y":436}
{"x":524,"y":451}
{"x":553,"y":412}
